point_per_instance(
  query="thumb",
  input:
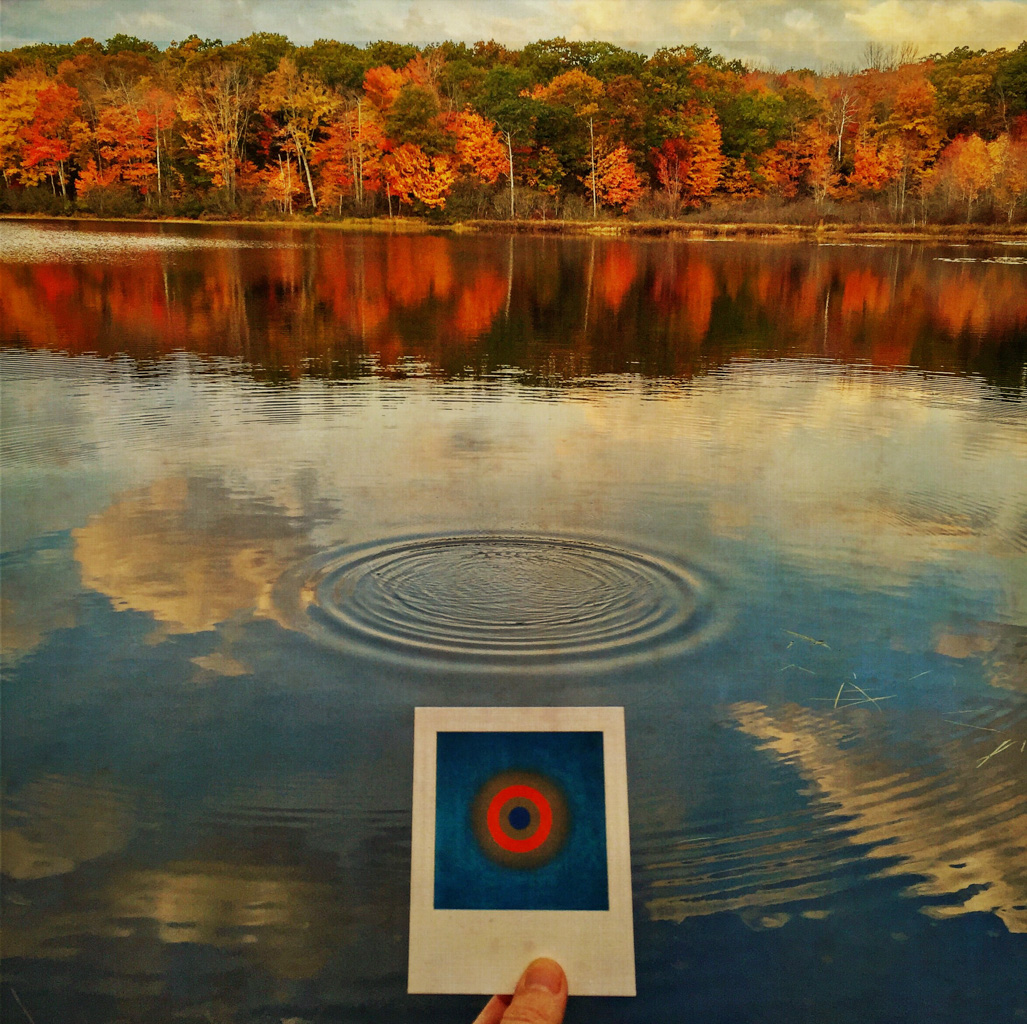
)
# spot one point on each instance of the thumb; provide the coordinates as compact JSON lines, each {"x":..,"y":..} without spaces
{"x":540,"y":996}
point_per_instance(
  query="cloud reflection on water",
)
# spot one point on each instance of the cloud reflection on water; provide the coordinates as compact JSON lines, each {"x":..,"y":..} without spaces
{"x":959,"y":827}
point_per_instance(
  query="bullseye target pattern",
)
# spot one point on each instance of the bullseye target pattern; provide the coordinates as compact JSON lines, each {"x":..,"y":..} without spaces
{"x":520,"y":819}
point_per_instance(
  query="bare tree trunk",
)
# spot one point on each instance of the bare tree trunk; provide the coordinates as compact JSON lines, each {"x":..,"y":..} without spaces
{"x":592,"y":157}
{"x":843,"y":119}
{"x":509,"y":150}
{"x":360,"y":152}
{"x":301,"y":158}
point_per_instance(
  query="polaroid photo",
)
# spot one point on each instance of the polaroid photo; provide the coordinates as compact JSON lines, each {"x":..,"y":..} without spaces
{"x":520,"y":849}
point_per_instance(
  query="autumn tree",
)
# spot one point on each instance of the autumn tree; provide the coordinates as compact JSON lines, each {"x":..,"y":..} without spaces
{"x":381,"y":87}
{"x":968,"y":162}
{"x":413,"y":174}
{"x":616,"y":181}
{"x":125,"y":150}
{"x":689,"y":166}
{"x":216,"y":105}
{"x":19,"y":98}
{"x":900,"y":138}
{"x":338,"y":162}
{"x":304,"y":107}
{"x":478,"y":146}
{"x":1009,"y":160}
{"x":50,"y":135}
{"x":579,"y":92}
{"x":820,"y":175}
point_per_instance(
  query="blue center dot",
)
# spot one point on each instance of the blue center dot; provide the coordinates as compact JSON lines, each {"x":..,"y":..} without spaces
{"x":520,"y":817}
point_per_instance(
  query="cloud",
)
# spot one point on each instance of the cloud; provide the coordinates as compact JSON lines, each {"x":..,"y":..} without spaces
{"x":779,"y":33}
{"x":940,"y":25}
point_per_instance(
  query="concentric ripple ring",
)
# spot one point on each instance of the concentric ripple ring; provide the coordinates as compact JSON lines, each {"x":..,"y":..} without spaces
{"x":499,"y":601}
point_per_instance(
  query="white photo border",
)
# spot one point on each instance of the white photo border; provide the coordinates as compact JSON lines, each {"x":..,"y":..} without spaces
{"x":485,"y":951}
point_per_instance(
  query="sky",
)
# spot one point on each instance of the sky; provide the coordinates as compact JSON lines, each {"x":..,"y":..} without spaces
{"x":770,"y":33}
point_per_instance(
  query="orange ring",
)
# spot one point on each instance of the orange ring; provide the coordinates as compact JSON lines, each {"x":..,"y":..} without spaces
{"x":545,"y":814}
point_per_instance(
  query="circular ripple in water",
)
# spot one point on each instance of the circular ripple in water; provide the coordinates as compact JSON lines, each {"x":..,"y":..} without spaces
{"x":499,"y":601}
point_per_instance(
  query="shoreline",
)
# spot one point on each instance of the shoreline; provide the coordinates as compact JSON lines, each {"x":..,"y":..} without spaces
{"x":680,"y":229}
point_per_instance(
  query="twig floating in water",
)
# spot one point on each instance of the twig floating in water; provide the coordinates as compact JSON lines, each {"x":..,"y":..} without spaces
{"x":22,"y":1005}
{"x":998,"y":750}
{"x":808,"y":639}
{"x":800,"y":668}
{"x":850,"y":703}
{"x":873,"y":700}
{"x":967,"y":725}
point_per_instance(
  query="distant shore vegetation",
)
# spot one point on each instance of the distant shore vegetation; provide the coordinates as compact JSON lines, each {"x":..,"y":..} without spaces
{"x":558,"y":131}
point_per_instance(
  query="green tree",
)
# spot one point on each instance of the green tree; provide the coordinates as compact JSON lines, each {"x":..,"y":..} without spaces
{"x":338,"y":65}
{"x":752,"y":123}
{"x":121,"y":43}
{"x":501,"y":98}
{"x":1011,"y":83}
{"x":967,"y":92}
{"x":260,"y":53}
{"x":414,"y":118}
{"x":396,"y":55}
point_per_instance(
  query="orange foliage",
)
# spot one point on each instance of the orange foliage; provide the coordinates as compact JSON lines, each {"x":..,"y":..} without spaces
{"x":336,"y":157}
{"x":479,"y":148}
{"x":874,"y":167}
{"x":575,"y":89}
{"x":969,"y":164}
{"x":412,"y":174}
{"x":19,"y":99}
{"x":50,"y":135}
{"x":281,"y":185}
{"x":780,"y":168}
{"x":1009,"y":154}
{"x":689,"y":168}
{"x":617,"y":180}
{"x":382,"y":85}
{"x":124,"y":141}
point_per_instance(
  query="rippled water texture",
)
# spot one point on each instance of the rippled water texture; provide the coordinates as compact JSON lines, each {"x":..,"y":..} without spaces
{"x":500,"y":602}
{"x":266,"y":491}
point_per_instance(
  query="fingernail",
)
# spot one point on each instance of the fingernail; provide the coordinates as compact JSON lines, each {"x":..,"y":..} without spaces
{"x":544,"y":975}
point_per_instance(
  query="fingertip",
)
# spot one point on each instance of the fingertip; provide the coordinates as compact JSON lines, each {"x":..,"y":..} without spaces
{"x":543,"y":975}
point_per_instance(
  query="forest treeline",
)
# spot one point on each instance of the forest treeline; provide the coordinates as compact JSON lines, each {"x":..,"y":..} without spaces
{"x":264,"y":128}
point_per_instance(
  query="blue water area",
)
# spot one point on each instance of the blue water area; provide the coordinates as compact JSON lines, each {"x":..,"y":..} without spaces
{"x":575,"y":877}
{"x":261,"y":501}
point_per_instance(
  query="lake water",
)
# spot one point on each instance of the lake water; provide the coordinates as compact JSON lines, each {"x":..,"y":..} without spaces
{"x":266,"y":491}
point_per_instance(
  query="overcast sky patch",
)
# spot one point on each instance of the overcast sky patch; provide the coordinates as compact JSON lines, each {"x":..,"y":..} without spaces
{"x":774,"y":33}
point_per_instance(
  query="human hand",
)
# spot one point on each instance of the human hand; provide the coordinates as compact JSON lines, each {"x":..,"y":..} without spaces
{"x":540,"y":998}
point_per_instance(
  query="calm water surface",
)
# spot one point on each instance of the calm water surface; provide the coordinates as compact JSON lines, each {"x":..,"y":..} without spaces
{"x":265,"y":491}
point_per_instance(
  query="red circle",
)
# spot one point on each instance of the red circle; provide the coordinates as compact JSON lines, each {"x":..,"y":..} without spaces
{"x":545,"y":814}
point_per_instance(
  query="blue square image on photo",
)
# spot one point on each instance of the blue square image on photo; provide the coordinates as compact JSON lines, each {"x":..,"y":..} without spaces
{"x":520,"y":821}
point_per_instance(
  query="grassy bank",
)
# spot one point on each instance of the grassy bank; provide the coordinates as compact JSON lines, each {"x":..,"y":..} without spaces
{"x":750,"y":230}
{"x":683,"y":228}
